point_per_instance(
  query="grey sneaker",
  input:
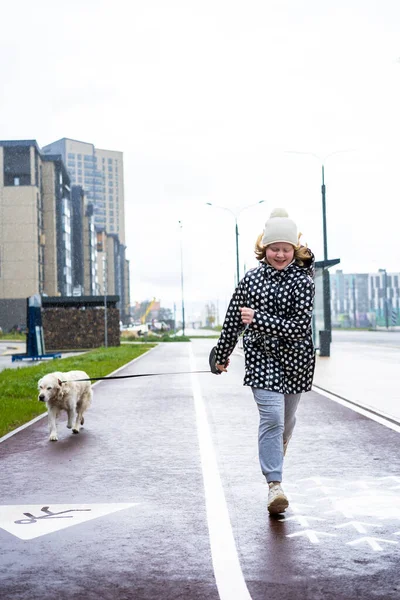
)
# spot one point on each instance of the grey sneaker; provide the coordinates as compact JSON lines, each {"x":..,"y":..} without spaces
{"x":277,"y":501}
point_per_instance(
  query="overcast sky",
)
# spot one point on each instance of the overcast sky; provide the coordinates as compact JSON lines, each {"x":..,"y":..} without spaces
{"x":214,"y":101}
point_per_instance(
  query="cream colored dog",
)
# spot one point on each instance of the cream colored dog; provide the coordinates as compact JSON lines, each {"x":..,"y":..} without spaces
{"x":60,"y":391}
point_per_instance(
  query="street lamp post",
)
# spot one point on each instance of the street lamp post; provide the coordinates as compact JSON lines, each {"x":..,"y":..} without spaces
{"x":235,"y":216}
{"x":385,"y":297}
{"x":183,"y":302}
{"x":326,"y":335}
{"x":105,"y":267}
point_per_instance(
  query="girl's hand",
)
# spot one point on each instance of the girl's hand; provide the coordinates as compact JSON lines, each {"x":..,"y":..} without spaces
{"x":247,"y":315}
{"x":223,"y":368}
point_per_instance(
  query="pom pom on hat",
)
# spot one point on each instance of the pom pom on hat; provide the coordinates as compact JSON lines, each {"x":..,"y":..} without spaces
{"x":279,"y":228}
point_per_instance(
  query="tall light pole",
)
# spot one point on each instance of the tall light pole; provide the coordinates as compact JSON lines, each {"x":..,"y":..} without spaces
{"x":326,"y":335}
{"x":183,"y":302}
{"x":385,"y":297}
{"x":322,"y":160}
{"x":235,"y":216}
{"x":105,"y":266}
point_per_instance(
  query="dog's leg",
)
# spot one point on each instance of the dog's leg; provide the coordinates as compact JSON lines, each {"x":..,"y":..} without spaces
{"x":77,"y":416}
{"x":71,"y":416}
{"x":52,"y":418}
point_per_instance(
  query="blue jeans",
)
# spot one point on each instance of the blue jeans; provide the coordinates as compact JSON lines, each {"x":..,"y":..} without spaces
{"x":277,"y":421}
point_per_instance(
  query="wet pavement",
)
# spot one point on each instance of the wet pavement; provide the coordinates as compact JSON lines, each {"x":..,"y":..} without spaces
{"x":364,"y":368}
{"x":161,"y":496}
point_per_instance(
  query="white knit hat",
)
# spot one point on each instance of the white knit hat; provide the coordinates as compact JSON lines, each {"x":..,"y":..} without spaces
{"x":279,"y":228}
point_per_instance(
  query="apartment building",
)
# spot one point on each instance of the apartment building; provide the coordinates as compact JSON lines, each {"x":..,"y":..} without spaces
{"x":41,"y":228}
{"x":101,"y":175}
{"x":35,"y":245}
{"x":84,"y":243}
{"x":365,"y":299}
{"x":113,"y":269}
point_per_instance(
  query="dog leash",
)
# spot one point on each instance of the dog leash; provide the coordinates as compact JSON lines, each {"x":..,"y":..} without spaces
{"x":211,"y":360}
{"x":137,"y":375}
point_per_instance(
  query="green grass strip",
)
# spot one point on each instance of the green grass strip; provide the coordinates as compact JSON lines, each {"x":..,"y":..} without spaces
{"x":18,"y":387}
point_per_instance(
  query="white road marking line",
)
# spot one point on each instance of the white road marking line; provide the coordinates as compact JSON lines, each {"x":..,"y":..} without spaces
{"x":358,"y":409}
{"x":228,"y":573}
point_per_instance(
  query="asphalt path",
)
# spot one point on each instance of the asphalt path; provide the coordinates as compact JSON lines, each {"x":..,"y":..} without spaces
{"x":161,"y":496}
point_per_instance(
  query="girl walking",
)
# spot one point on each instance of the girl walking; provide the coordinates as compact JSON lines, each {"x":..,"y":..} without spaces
{"x":273,"y":305}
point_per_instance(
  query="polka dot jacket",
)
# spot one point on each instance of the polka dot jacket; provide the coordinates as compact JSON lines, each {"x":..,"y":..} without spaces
{"x":278,"y":345}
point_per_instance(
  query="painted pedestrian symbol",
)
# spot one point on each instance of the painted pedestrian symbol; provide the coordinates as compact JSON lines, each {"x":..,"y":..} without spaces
{"x":49,"y":515}
{"x":32,"y":521}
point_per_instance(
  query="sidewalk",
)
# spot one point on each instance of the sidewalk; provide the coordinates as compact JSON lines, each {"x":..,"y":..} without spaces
{"x":161,"y":497}
{"x":362,"y":373}
{"x":8,"y":348}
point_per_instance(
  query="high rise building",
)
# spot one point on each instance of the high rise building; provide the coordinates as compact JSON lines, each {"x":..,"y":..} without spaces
{"x":84,"y":243}
{"x":101,"y":175}
{"x":41,"y":229}
{"x":35,"y":243}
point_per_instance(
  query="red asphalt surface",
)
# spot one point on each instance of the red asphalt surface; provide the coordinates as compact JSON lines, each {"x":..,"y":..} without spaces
{"x":120,"y":511}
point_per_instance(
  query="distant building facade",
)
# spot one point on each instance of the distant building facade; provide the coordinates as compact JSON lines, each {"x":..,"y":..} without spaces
{"x":100,"y":173}
{"x":43,"y":220}
{"x":35,"y":225}
{"x":365,"y":299}
{"x":84,"y":254}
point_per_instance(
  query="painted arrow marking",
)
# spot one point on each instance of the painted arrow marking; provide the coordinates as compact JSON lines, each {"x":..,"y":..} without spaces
{"x":358,"y":525}
{"x":31,"y":521}
{"x":302,"y":519}
{"x":372,"y":541}
{"x":296,"y":506}
{"x":362,"y":484}
{"x":318,"y":480}
{"x":364,"y":493}
{"x":312,"y":535}
{"x":344,"y":512}
{"x":328,"y":499}
{"x":323,"y":488}
{"x":293,"y":494}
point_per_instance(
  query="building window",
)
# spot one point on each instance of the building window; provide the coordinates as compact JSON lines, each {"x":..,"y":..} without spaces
{"x":17,"y":166}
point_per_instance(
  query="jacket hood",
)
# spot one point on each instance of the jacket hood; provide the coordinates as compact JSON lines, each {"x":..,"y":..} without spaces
{"x":308,"y":264}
